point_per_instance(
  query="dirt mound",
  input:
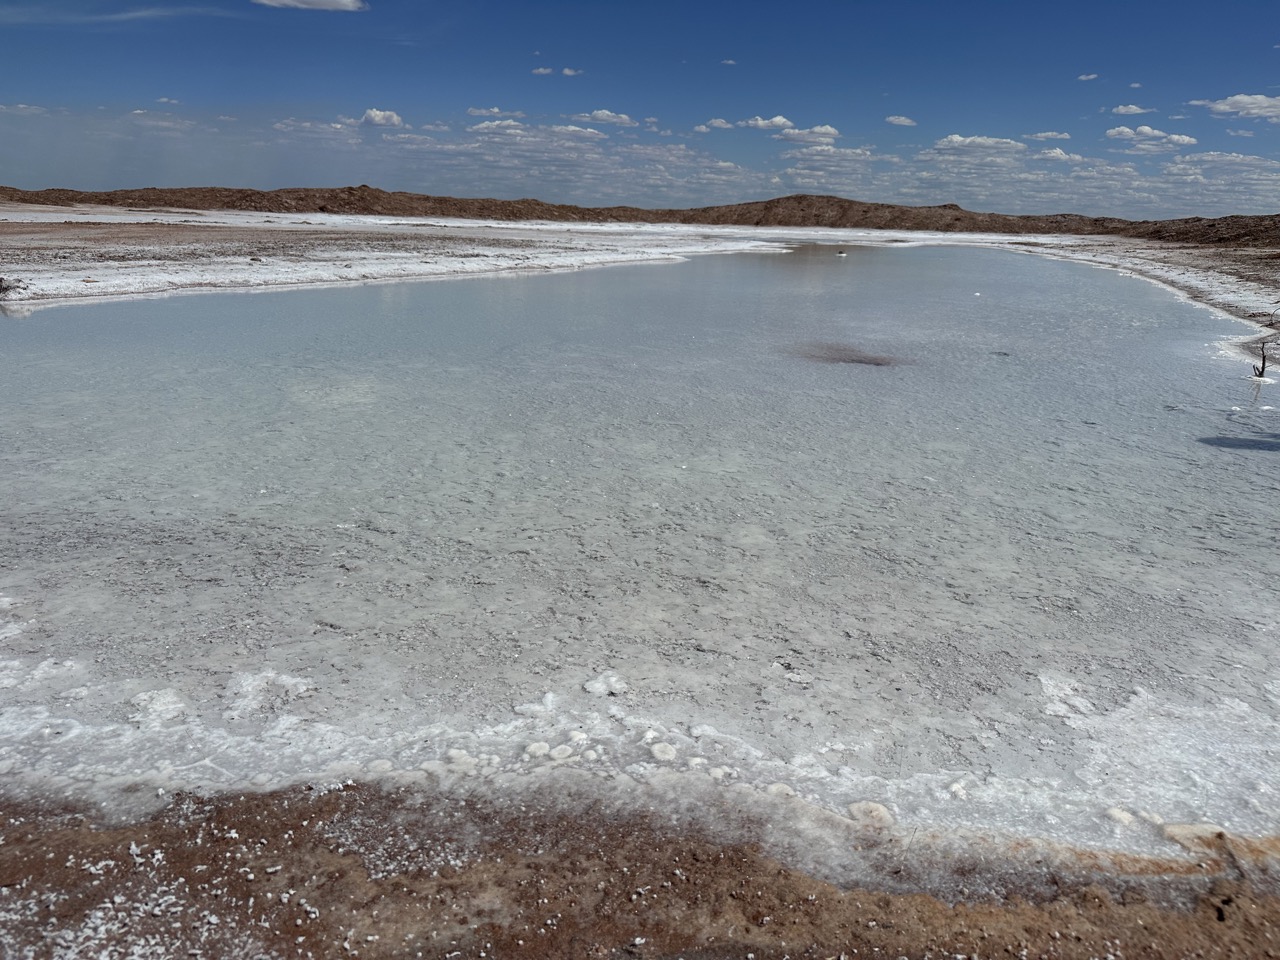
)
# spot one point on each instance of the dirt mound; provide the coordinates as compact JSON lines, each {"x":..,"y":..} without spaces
{"x":794,"y":211}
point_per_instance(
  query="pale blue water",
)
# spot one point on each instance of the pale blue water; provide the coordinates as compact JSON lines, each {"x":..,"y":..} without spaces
{"x":1026,"y":575}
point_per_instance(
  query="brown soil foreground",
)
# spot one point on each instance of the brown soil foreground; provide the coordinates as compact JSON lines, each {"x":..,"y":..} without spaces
{"x":354,"y":871}
{"x":793,"y":211}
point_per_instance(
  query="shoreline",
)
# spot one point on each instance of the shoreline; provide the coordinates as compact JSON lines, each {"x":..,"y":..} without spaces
{"x":481,"y":870}
{"x":57,"y":256}
{"x":445,"y":869}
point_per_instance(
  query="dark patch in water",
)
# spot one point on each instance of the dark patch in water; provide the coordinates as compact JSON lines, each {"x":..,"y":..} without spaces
{"x":824,"y":352}
{"x":1269,"y":443}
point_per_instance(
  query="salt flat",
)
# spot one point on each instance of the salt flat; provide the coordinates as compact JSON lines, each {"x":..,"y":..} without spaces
{"x":613,"y":538}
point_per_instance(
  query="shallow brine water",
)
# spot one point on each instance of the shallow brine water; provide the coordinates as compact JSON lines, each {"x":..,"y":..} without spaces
{"x":1018,"y":574}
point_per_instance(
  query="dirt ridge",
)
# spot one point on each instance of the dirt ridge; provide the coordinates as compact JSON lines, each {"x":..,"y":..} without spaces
{"x":799,"y":210}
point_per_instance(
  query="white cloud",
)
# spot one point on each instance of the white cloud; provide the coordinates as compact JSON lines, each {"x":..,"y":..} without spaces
{"x":161,"y":122}
{"x":954,"y":142}
{"x":351,"y":5}
{"x":24,"y":109}
{"x":1057,"y":153}
{"x":1047,"y":135}
{"x":168,"y":100}
{"x":570,"y":72}
{"x":974,"y":159}
{"x":1236,"y":159}
{"x":715,"y":123}
{"x":1135,"y":86}
{"x":569,"y":130}
{"x":291,"y":125}
{"x":542,"y":71}
{"x":499,"y":126}
{"x":822,"y":168}
{"x":1245,"y":105}
{"x":1146,"y":139}
{"x":1130,"y":109}
{"x":843,"y":154}
{"x":374,"y":117}
{"x":729,"y":63}
{"x":605,"y":116}
{"x":822,"y":133}
{"x":45,"y":15}
{"x":1087,"y":76}
{"x":898,"y":121}
{"x":760,"y":123}
{"x":493,"y":112}
{"x":1240,"y":133}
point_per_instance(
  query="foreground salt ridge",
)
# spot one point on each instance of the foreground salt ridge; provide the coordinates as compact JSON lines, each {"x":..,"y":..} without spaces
{"x":618,"y":756}
{"x":547,"y":247}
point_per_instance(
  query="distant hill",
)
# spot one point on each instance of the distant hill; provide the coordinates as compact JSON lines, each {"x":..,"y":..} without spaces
{"x":794,"y":211}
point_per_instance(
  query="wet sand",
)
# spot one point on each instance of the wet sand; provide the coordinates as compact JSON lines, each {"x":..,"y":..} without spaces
{"x":439,"y":870}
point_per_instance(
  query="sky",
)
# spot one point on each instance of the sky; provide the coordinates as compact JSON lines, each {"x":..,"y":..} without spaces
{"x":1119,"y":108}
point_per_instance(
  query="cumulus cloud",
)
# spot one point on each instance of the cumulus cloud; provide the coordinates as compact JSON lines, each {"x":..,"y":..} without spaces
{"x":1047,"y":135}
{"x":1087,"y":76}
{"x":1236,"y":159}
{"x":493,"y":112}
{"x":542,"y":71}
{"x":381,"y":118}
{"x":1057,"y":153}
{"x":1146,"y":139}
{"x":1244,"y":105}
{"x":351,"y":5}
{"x":605,"y":116}
{"x":955,"y":143}
{"x":973,"y":158}
{"x":826,"y":168}
{"x":822,"y":133}
{"x":760,"y":123}
{"x":898,"y":121}
{"x":498,"y":126}
{"x":168,"y":100}
{"x":25,"y":109}
{"x":729,"y":63}
{"x":715,"y":123}
{"x":1130,"y":109}
{"x":570,"y":72}
{"x":1240,"y":133}
{"x":569,"y":130}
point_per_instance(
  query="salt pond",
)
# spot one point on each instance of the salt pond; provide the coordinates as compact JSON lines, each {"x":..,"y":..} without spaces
{"x":1022,"y":579}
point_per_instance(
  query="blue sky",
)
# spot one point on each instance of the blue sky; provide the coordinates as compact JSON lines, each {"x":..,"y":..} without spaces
{"x":1123,"y":107}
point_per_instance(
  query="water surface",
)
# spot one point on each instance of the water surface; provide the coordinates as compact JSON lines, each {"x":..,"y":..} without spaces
{"x":622,"y":519}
